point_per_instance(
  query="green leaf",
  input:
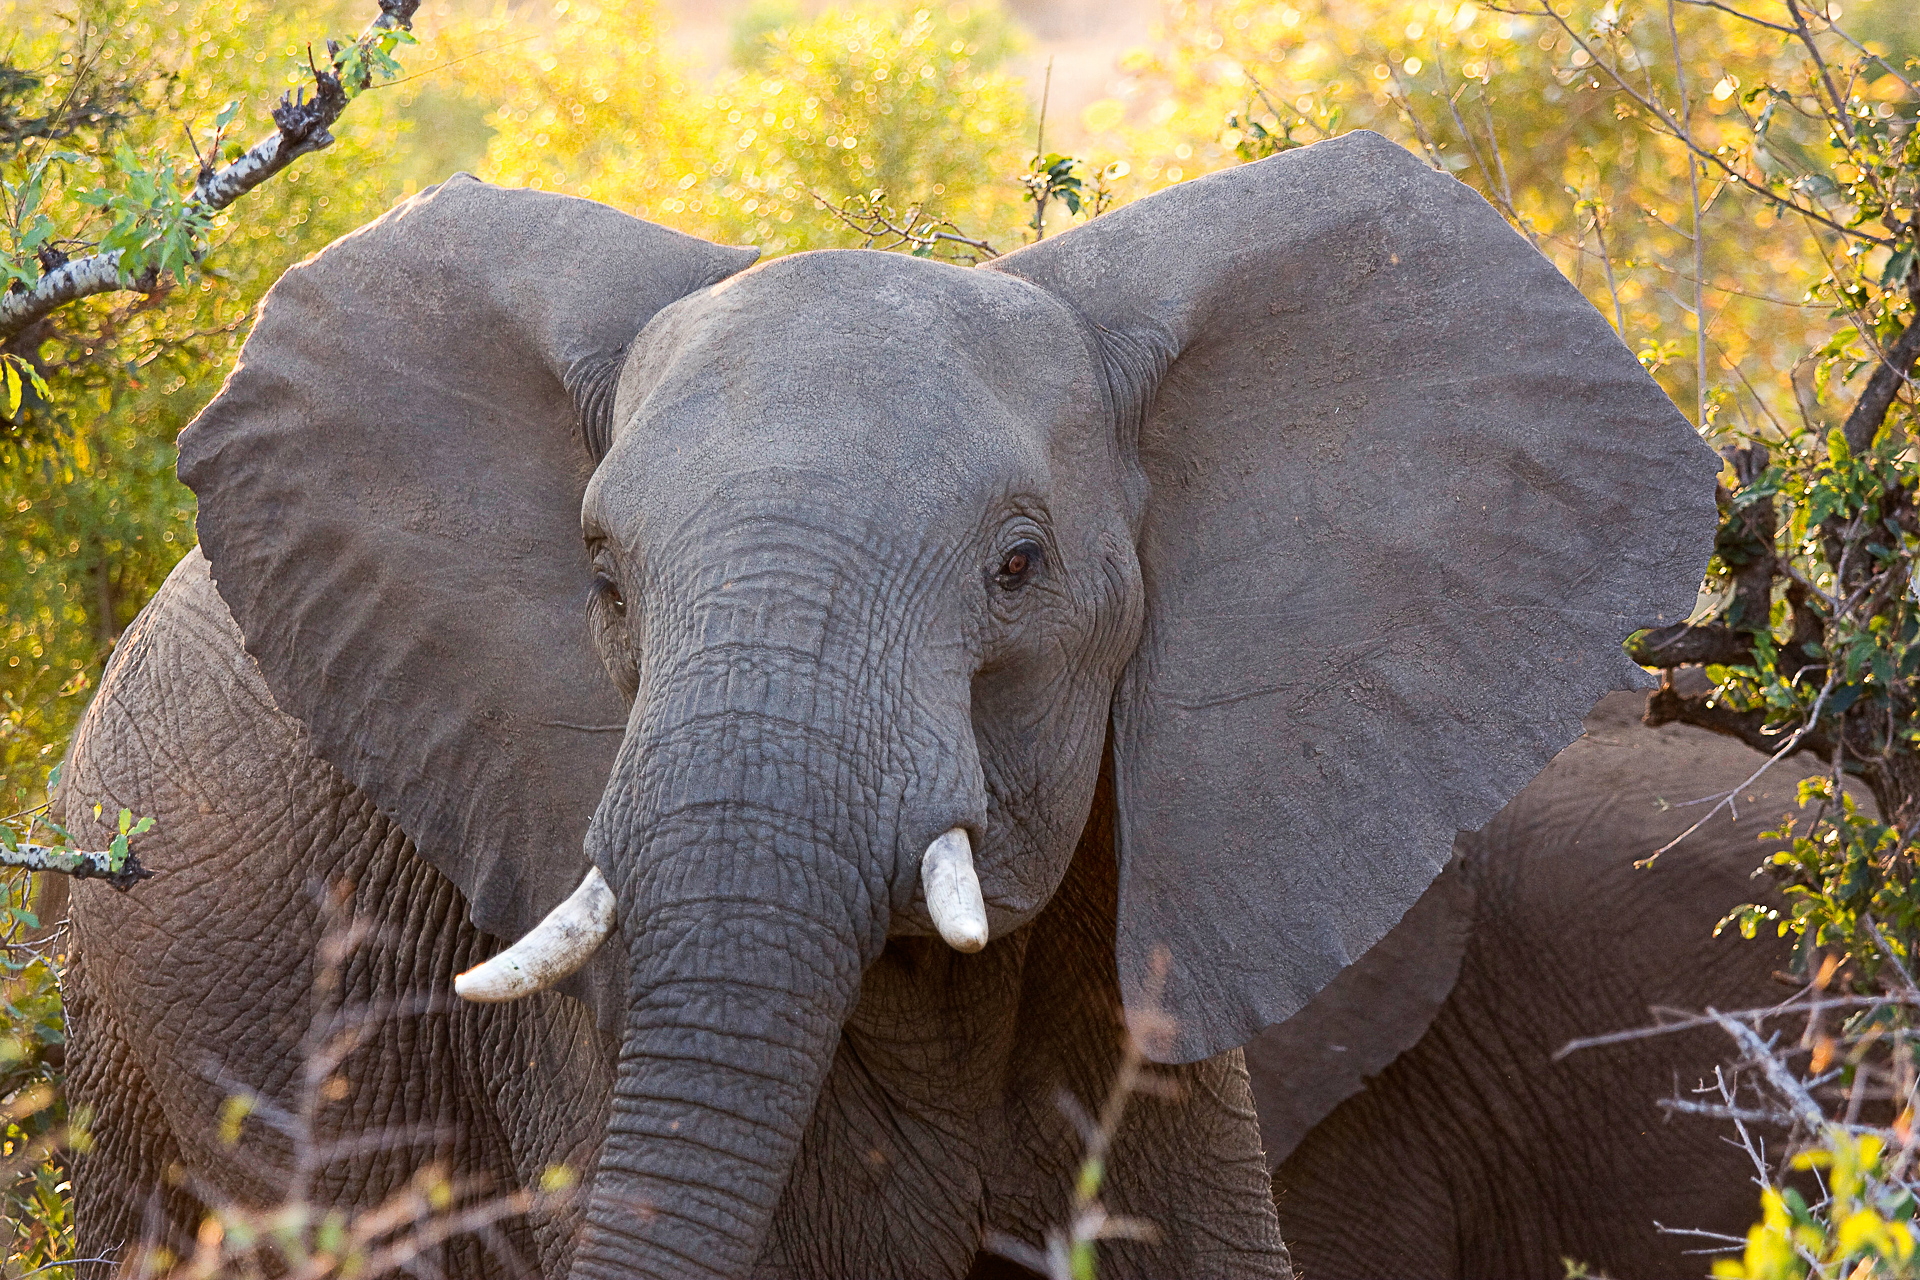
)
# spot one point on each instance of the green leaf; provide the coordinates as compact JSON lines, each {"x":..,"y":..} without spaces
{"x":126,"y":821}
{"x":1896,"y":269}
{"x":226,"y":114}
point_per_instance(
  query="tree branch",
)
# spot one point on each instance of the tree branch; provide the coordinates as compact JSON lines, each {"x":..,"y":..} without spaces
{"x":302,"y":125}
{"x":76,"y":863}
{"x":1668,"y":705}
{"x":1799,"y":1102}
{"x":1893,"y":371}
{"x":1686,"y":645}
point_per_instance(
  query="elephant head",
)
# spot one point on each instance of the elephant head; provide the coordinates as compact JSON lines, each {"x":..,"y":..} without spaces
{"x":1306,"y":492}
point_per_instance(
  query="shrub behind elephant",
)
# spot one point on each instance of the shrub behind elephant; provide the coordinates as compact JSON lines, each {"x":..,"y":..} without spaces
{"x":1176,"y":586}
{"x":1434,"y":1135}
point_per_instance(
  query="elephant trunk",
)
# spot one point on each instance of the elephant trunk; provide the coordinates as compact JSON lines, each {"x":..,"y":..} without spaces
{"x":752,"y":901}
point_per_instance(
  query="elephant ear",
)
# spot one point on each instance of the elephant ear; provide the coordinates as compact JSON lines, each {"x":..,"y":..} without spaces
{"x":390,"y":486}
{"x":1407,"y":494}
{"x":1373,"y":1011}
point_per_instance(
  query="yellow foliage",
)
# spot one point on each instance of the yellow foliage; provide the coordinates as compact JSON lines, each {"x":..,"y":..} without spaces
{"x":1864,"y":1228}
{"x":1510,"y":106}
{"x":589,"y":103}
{"x":906,"y":101}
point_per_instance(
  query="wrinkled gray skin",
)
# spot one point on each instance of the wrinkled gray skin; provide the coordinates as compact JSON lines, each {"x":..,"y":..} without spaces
{"x":1474,"y":1153}
{"x":939,"y":1109}
{"x":1292,"y":615}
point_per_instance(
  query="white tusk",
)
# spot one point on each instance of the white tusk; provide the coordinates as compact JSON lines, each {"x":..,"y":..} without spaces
{"x":552,"y":949}
{"x":953,"y":891}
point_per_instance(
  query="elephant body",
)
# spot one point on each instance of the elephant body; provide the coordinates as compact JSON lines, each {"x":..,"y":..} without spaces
{"x":1424,"y":1077}
{"x":867,"y":689}
{"x":939,"y":1121}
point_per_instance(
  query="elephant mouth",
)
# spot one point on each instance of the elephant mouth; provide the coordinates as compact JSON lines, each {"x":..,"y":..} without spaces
{"x":572,"y":932}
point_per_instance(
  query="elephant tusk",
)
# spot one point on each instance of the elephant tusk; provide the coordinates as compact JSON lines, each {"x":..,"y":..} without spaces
{"x":953,"y":891}
{"x":551,"y":950}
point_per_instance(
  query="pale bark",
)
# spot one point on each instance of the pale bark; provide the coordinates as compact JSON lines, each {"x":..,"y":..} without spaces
{"x":78,"y":863}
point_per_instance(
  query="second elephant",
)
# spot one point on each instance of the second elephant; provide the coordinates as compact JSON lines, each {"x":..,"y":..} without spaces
{"x":1415,"y":1117}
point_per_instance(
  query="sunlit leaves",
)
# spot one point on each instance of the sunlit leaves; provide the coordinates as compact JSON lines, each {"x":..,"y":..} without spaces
{"x":825,"y":110}
{"x":1864,"y":1227}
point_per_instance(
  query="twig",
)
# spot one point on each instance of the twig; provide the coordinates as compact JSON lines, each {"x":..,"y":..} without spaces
{"x":1805,"y":1110}
{"x":1405,"y":102}
{"x":67,"y":1262}
{"x":1834,"y":96}
{"x":1886,"y":950}
{"x":1744,"y":17}
{"x":1893,"y":370}
{"x":1044,"y":189}
{"x":874,"y":219}
{"x":1686,"y":1022}
{"x":1699,"y":242}
{"x":1786,"y":749}
{"x":80,"y":864}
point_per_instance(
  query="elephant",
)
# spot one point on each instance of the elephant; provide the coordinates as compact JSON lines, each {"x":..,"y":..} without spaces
{"x":784,"y":724}
{"x":1417,"y":1121}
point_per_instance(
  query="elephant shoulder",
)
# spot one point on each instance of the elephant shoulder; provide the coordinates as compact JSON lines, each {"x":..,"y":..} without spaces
{"x":182,"y":725}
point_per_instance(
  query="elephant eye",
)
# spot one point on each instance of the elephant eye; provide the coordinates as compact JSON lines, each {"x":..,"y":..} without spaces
{"x":607,"y":591}
{"x":1018,"y":565}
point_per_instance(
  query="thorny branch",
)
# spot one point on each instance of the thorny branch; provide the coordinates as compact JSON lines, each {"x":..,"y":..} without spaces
{"x":1813,"y":1086}
{"x":881,"y":227}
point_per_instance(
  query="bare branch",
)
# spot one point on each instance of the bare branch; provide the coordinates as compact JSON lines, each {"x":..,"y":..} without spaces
{"x":1786,"y":749}
{"x":1805,"y":1110}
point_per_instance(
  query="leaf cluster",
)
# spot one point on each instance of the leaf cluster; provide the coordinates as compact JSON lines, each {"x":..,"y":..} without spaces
{"x":1862,"y":1225}
{"x":1850,"y":885}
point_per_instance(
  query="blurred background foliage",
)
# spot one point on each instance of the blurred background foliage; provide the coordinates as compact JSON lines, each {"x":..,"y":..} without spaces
{"x":914,"y":101}
{"x":797,"y":109}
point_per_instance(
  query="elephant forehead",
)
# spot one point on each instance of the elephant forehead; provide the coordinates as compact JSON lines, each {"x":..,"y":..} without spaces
{"x":893,"y":360}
